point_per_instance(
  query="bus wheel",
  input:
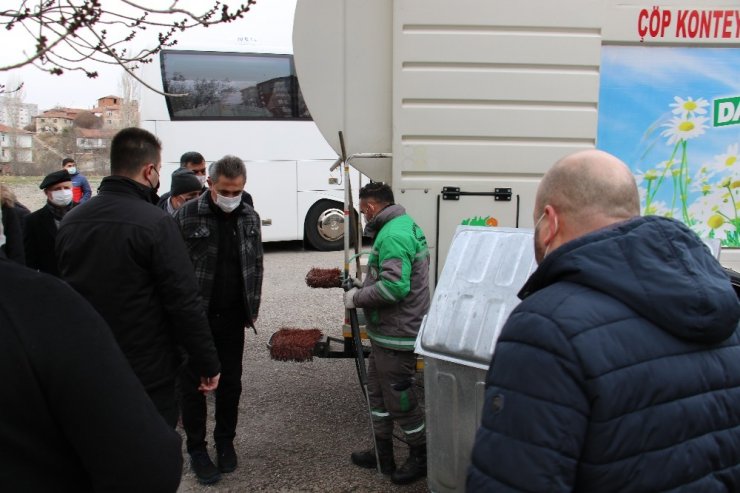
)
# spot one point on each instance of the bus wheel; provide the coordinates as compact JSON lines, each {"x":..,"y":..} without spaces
{"x":325,"y":226}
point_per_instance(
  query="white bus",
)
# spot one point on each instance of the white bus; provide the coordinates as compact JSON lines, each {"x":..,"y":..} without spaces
{"x":243,"y":99}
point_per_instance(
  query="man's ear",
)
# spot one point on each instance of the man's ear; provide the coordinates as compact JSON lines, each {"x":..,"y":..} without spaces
{"x":552,"y":222}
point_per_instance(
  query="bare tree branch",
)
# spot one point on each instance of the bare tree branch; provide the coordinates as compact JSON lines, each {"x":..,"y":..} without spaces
{"x":68,"y":33}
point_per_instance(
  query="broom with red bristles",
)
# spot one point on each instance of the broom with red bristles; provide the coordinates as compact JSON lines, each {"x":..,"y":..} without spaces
{"x":291,"y":344}
{"x":324,"y":278}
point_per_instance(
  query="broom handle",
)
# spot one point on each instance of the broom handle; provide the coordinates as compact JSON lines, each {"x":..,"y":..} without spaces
{"x":347,"y":205}
{"x":360,"y":357}
{"x":353,"y":321}
{"x":353,"y":221}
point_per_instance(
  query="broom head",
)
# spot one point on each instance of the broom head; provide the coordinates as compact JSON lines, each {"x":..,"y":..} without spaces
{"x":290,"y":344}
{"x":324,"y":278}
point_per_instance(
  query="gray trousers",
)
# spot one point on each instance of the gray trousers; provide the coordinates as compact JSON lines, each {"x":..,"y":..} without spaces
{"x":390,"y":382}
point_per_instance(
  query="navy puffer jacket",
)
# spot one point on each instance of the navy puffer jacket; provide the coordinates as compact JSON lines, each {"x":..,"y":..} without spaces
{"x":618,"y":372}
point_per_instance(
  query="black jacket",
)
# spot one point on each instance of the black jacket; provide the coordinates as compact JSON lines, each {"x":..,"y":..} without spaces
{"x":13,"y":219}
{"x":39,"y":237}
{"x":73,"y":418}
{"x":127,"y":257}
{"x":618,"y":372}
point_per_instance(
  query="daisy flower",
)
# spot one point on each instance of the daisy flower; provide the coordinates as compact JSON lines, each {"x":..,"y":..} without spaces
{"x":702,"y":209}
{"x":658,"y":208}
{"x":684,"y":128}
{"x":689,"y":107}
{"x":720,"y":225}
{"x":727,"y":161}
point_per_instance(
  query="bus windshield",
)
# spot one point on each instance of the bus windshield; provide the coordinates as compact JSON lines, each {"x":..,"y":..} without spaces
{"x":231,"y":86}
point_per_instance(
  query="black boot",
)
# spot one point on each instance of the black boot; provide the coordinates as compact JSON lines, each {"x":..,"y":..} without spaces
{"x":203,"y":467}
{"x":226,"y":457}
{"x":414,"y":468}
{"x":366,"y":458}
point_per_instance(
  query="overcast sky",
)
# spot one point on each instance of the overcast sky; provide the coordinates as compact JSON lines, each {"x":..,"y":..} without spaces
{"x":74,"y":89}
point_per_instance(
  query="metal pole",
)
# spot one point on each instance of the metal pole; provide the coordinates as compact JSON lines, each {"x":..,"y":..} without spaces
{"x":354,"y":322}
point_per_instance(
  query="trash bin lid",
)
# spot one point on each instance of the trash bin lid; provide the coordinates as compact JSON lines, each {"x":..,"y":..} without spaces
{"x":477,"y":290}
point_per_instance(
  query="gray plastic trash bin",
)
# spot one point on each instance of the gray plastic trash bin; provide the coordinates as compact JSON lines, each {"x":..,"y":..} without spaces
{"x":484,"y":270}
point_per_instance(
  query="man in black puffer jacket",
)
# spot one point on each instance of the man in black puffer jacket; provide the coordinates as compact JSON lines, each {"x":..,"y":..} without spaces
{"x":620,"y":369}
{"x":126,"y":256}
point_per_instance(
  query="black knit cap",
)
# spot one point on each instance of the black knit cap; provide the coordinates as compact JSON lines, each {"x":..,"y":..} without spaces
{"x":184,"y":181}
{"x":54,"y":178}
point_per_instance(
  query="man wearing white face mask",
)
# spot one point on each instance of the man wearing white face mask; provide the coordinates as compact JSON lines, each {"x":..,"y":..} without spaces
{"x":223,"y":236}
{"x":81,"y":191}
{"x":195,"y":162}
{"x":41,"y":226}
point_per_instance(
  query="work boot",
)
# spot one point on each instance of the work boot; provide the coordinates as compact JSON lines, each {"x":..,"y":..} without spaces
{"x":203,"y":467}
{"x":226,"y":457}
{"x":414,"y":468}
{"x":366,"y":458}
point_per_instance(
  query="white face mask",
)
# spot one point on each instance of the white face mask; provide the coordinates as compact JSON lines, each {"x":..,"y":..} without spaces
{"x":72,"y":170}
{"x":228,"y":204}
{"x":201,"y":179}
{"x":61,"y":198}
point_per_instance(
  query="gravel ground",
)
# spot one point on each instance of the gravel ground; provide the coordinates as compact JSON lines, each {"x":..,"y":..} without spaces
{"x":298,"y":422}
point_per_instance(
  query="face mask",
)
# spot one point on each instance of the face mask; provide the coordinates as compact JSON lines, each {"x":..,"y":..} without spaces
{"x":539,"y":221}
{"x":228,"y":204}
{"x":72,"y":170}
{"x":61,"y":198}
{"x":154,"y":187}
{"x":201,"y":179}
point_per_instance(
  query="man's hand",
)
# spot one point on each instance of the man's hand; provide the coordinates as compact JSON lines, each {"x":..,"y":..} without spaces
{"x":351,"y":282}
{"x":349,"y":298}
{"x":209,"y":383}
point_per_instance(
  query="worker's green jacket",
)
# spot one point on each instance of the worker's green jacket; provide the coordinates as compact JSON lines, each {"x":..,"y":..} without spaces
{"x":395,"y":294}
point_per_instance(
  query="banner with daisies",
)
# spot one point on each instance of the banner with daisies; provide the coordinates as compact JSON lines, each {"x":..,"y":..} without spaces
{"x":673,"y":115}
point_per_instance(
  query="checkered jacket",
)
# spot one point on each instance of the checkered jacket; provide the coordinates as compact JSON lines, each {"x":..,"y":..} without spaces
{"x":198,"y":224}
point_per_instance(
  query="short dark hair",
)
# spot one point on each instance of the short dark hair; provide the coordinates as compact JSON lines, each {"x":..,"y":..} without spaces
{"x":377,"y":191}
{"x":131,"y":149}
{"x":67,"y":160}
{"x":191,"y":157}
{"x":228,"y":166}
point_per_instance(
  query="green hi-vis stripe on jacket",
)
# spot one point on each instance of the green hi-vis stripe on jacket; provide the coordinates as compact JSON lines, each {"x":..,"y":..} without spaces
{"x":395,"y":294}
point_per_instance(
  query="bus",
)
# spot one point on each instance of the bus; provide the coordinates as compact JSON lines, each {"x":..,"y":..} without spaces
{"x":242,"y":98}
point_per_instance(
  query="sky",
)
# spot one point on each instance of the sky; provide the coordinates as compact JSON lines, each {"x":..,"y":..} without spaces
{"x":74,"y":89}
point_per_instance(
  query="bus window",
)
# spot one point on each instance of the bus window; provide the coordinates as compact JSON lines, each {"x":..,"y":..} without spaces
{"x":231,"y":86}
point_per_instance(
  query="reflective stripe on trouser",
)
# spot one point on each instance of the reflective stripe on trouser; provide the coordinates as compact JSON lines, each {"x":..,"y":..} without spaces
{"x":390,"y":382}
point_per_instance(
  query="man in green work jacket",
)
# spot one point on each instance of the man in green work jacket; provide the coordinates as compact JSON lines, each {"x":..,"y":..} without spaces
{"x":395,"y":298}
